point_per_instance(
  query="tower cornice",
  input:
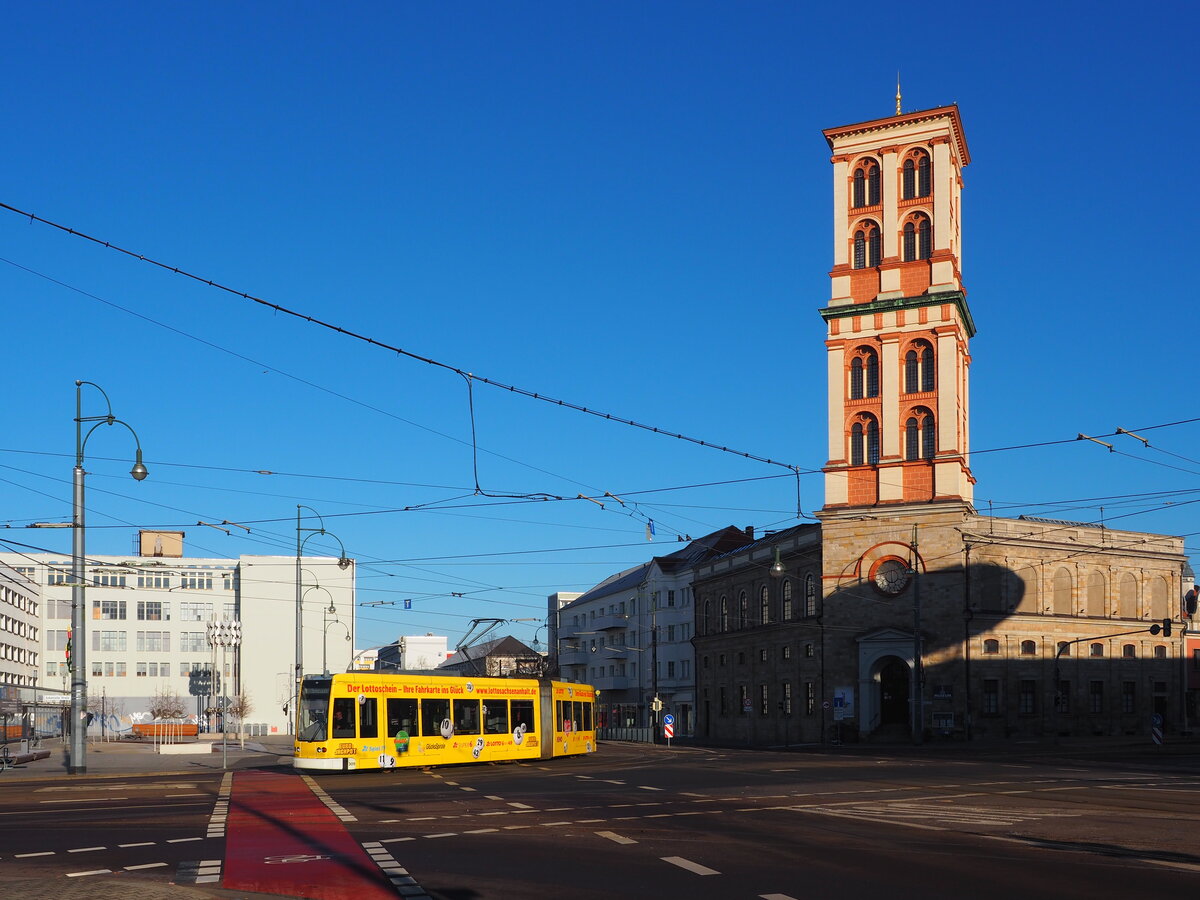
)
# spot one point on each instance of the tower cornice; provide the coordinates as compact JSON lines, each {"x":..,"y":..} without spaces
{"x":885,"y":124}
{"x":957,"y":298}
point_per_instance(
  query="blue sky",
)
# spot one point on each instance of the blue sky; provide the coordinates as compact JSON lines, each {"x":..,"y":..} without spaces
{"x":621,"y":205}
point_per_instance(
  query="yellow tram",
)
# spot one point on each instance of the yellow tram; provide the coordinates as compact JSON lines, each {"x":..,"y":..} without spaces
{"x":378,"y":720}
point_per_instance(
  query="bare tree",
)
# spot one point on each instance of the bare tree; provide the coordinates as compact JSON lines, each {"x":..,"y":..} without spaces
{"x":240,"y":706}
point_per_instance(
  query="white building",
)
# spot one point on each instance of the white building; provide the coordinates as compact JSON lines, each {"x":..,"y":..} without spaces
{"x":630,"y":637}
{"x":147,"y":622}
{"x":20,"y":604}
{"x":413,"y":652}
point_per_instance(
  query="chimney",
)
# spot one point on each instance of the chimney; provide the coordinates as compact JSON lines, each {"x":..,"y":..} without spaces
{"x":750,"y":532}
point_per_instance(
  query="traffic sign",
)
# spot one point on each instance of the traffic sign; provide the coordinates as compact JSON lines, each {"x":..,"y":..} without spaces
{"x":668,"y":719}
{"x":668,"y":730}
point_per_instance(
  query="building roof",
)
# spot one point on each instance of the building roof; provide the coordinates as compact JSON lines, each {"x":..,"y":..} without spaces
{"x":686,"y":557}
{"x":506,"y":646}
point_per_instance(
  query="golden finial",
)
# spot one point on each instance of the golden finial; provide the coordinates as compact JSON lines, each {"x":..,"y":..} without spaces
{"x":897,"y":92}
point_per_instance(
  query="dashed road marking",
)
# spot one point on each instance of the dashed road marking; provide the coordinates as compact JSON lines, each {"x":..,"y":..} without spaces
{"x":689,"y":865}
{"x":616,"y":838}
{"x":86,"y":849}
{"x":145,"y":866}
{"x":92,"y":872}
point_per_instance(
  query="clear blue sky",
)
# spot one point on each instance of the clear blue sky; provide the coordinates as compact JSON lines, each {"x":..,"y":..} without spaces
{"x":623,"y":205}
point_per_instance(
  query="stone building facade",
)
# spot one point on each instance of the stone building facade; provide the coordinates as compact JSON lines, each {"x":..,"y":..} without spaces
{"x":918,"y":618}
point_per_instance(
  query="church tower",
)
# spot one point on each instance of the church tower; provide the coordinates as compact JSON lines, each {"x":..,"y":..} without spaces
{"x":898,"y":322}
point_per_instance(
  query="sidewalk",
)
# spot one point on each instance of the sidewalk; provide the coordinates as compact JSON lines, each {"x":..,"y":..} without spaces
{"x":116,"y":758}
{"x":126,"y":757}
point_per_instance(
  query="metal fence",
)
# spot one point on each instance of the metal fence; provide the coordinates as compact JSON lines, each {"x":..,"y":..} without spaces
{"x":642,"y":735}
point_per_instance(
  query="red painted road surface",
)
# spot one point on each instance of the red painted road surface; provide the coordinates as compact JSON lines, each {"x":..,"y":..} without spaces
{"x":281,"y":839}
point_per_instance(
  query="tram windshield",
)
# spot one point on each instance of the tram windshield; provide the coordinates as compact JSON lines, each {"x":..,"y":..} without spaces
{"x":314,"y":710}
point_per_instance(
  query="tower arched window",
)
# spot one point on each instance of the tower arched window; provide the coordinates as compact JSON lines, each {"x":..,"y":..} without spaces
{"x":785,"y":612}
{"x":764,"y":606}
{"x":810,"y":595}
{"x":864,"y":441}
{"x":868,"y":247}
{"x":917,"y":239}
{"x":742,"y":610}
{"x":918,"y":368}
{"x":864,"y":374}
{"x":724,"y":613}
{"x":920,"y":440}
{"x":865,"y":191}
{"x":916,"y":178}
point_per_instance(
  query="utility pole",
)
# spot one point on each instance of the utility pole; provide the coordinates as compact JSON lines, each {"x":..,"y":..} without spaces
{"x":918,"y":675}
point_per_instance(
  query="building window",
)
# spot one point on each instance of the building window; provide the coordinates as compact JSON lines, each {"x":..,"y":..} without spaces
{"x":856,"y":378}
{"x":1128,"y":651}
{"x":724,"y":613}
{"x":108,"y":609}
{"x":919,"y":436}
{"x":786,"y":651}
{"x":917,"y":238}
{"x":705,"y":615}
{"x":864,"y":441}
{"x":764,"y":607}
{"x":1095,"y":697}
{"x":917,"y":180}
{"x":810,"y":650}
{"x":140,"y":670}
{"x":864,"y":374}
{"x":742,"y":610}
{"x":1160,"y":651}
{"x":153,"y":610}
{"x":1096,"y":650}
{"x":991,"y":646}
{"x":1028,"y":648}
{"x":1062,"y":700}
{"x":991,"y":696}
{"x":1027,"y":698}
{"x":868,"y":250}
{"x":764,"y":706}
{"x":108,"y":580}
{"x":786,"y":612}
{"x":154,"y":581}
{"x":810,"y":596}
{"x":810,"y":698}
{"x":865,"y":190}
{"x":1128,"y":696}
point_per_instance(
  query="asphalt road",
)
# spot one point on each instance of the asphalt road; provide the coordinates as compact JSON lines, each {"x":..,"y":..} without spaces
{"x":649,"y":822}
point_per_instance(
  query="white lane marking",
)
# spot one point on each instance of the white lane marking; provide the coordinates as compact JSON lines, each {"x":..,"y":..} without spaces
{"x":139,"y":844}
{"x":86,"y":849}
{"x":144,"y":866}
{"x":482,"y":831}
{"x":689,"y":865}
{"x":182,"y":840}
{"x":93,"y":872}
{"x":776,"y":897}
{"x":467,"y":789}
{"x":491,"y":797}
{"x":422,"y":818}
{"x":646,"y":787}
{"x":587,"y":821}
{"x":442,"y":835}
{"x":559,"y":809}
{"x":519,"y":805}
{"x":168,"y":796}
{"x":611,"y":781}
{"x":26,"y":855}
{"x":616,"y":838}
{"x":396,"y":840}
{"x":86,"y":800}
{"x":554,"y":824}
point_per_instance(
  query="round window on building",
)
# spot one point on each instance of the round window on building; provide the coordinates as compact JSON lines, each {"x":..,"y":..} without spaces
{"x":890,"y":575}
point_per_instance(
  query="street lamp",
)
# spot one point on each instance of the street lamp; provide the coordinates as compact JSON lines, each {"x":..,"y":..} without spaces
{"x":343,"y":562}
{"x":329,"y":617}
{"x":78,"y":751}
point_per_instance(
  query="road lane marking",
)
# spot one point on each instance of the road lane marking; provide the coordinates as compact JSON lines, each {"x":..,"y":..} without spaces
{"x":86,"y":800}
{"x":689,"y":865}
{"x":442,"y":835}
{"x":138,"y":844}
{"x":182,"y":840}
{"x":776,"y":897}
{"x":482,"y":831}
{"x":26,"y":855}
{"x":144,"y":866}
{"x":519,"y":805}
{"x":646,"y":787}
{"x":92,"y":872}
{"x":491,"y":797}
{"x":616,"y":838}
{"x":86,"y":849}
{"x":396,"y":840}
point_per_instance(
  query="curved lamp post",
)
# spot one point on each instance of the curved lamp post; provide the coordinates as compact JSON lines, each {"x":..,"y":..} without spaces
{"x":330,"y":618}
{"x":78,"y":751}
{"x":343,"y":562}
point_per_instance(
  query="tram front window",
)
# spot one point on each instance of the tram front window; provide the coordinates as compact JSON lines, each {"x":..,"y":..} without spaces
{"x":314,"y":711}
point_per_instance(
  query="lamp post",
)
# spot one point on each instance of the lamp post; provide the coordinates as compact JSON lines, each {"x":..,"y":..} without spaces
{"x":343,"y":562}
{"x":224,"y":634}
{"x":78,"y":751}
{"x":329,"y":616}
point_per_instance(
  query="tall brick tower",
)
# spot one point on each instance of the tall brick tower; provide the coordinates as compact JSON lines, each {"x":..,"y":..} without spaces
{"x":898,"y":322}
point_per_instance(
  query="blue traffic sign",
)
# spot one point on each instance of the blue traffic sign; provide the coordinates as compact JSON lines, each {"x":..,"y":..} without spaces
{"x":668,"y":719}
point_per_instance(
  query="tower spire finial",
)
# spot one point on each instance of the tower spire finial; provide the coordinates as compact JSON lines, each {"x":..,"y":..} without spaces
{"x":897,"y":92}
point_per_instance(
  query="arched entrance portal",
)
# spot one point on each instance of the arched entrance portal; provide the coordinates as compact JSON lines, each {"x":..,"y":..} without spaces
{"x":893,"y":692}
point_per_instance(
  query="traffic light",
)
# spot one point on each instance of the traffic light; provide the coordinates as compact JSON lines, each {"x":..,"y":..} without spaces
{"x":1166,"y":628}
{"x":70,"y":662}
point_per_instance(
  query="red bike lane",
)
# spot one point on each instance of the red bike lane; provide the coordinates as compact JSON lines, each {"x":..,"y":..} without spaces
{"x":282,"y":839}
